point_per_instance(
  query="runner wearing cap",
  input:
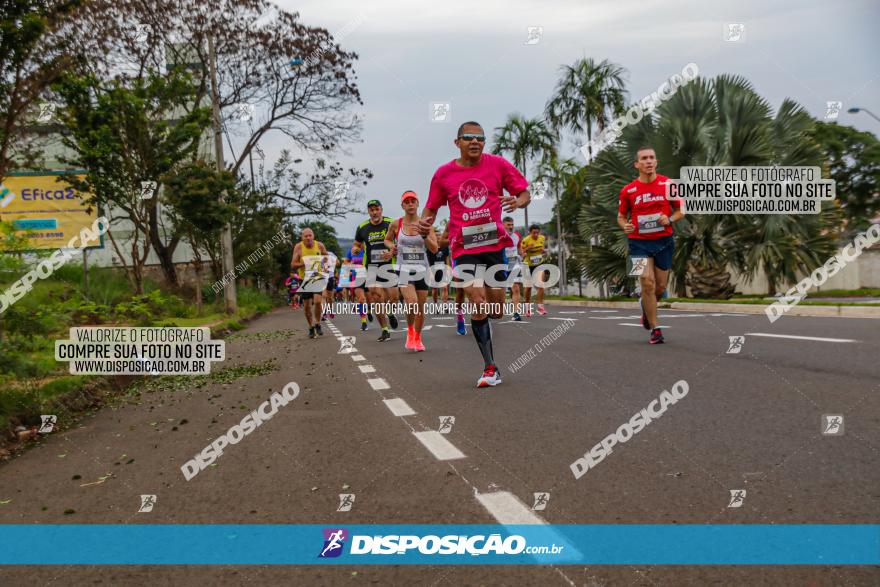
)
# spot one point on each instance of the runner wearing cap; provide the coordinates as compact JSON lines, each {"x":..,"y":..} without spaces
{"x":370,"y":237}
{"x":646,"y":215}
{"x":308,"y":254}
{"x":472,"y":186}
{"x":404,"y":241}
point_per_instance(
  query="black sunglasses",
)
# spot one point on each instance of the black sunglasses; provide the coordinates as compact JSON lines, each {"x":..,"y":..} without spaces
{"x":469,"y":137}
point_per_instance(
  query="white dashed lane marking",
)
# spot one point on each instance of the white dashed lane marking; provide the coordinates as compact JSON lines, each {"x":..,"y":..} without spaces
{"x":507,"y":509}
{"x":369,"y":368}
{"x":442,"y":449}
{"x":378,"y":384}
{"x":399,"y":407}
{"x":816,"y":338}
{"x":358,"y":358}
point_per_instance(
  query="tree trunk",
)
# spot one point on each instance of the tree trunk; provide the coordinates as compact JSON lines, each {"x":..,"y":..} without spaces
{"x":163,"y":251}
{"x":710,"y":282}
{"x":197,"y":267}
{"x":137,"y":264}
{"x":129,"y":273}
{"x":680,"y":287}
{"x":168,"y":267}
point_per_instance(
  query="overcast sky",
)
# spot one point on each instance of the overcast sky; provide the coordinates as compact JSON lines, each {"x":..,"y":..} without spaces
{"x":473,"y":55}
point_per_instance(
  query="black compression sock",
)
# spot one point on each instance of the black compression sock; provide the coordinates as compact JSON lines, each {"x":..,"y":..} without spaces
{"x":483,"y":333}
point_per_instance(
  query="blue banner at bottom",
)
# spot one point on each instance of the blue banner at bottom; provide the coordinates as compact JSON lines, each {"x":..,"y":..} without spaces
{"x":253,"y":544}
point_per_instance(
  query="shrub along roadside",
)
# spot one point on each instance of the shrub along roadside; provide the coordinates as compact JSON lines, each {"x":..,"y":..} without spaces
{"x":33,"y":383}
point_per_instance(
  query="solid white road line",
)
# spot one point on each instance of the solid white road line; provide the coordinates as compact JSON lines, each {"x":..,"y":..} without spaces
{"x":441,"y":448}
{"x":566,"y":319}
{"x":639,"y":325}
{"x":357,"y":357}
{"x":399,"y":407}
{"x":613,"y":317}
{"x":507,"y":509}
{"x":602,"y":311}
{"x":800,"y":337}
{"x":378,"y":384}
{"x":367,"y":368}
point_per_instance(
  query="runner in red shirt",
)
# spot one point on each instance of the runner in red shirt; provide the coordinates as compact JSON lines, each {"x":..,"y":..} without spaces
{"x":473,"y":187}
{"x":646,"y":214}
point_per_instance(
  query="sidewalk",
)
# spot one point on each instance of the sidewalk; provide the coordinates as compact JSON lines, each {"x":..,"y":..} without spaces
{"x":800,"y":310}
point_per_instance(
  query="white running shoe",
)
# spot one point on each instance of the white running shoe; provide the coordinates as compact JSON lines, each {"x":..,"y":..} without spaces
{"x":491,"y":377}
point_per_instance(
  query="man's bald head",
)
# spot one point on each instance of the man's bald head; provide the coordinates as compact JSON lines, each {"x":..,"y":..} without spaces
{"x":308,"y":237}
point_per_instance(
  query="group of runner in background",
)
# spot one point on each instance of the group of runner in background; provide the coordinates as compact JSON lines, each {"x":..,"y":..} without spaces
{"x":478,"y":188}
{"x":342,"y":275}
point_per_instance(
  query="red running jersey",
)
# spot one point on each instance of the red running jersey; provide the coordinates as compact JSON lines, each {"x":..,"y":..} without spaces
{"x":643,"y":203}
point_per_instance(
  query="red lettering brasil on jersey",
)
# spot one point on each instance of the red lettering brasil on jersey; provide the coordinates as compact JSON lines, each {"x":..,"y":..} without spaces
{"x":473,"y":195}
{"x":643,"y":204}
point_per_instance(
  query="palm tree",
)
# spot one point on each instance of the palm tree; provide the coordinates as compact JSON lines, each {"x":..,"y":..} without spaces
{"x":587,"y":96}
{"x":722,"y":121}
{"x":557,"y":173}
{"x":525,"y":139}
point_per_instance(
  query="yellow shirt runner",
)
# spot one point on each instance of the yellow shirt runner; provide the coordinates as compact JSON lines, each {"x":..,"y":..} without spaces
{"x":534,"y":250}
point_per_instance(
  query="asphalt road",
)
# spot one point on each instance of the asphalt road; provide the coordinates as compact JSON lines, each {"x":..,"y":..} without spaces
{"x":750,"y":421}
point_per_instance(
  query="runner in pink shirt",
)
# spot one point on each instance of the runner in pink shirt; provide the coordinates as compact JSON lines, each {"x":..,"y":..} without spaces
{"x":473,"y":187}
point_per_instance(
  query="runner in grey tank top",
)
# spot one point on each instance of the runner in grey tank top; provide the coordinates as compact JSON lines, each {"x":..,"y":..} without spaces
{"x":411,"y":249}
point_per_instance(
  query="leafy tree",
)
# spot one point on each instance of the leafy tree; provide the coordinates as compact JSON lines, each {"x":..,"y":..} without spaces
{"x":327,"y":191}
{"x":260,"y":217}
{"x":125,"y":132}
{"x":193,"y":194}
{"x":524,"y":139}
{"x":587,"y":96}
{"x":34,"y":51}
{"x":722,"y":121}
{"x":852,"y":158}
{"x":255,"y":42}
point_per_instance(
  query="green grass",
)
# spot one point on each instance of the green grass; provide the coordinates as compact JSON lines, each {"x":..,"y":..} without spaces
{"x":31,"y":381}
{"x":865,"y":292}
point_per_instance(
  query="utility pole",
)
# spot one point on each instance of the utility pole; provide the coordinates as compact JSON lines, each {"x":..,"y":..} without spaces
{"x":526,"y":209}
{"x":227,"y":262}
{"x":560,"y":243}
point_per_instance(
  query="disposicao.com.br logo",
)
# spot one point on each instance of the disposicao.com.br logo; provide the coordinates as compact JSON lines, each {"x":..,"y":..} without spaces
{"x":452,"y":544}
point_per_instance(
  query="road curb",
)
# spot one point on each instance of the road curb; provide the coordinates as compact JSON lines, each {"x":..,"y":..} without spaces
{"x":814,"y":311}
